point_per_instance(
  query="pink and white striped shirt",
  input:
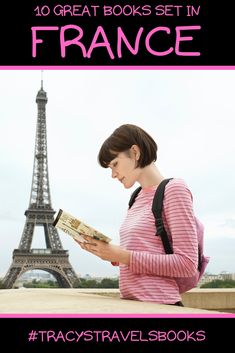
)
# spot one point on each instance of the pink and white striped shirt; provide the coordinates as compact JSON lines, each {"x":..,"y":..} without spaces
{"x":150,"y":275}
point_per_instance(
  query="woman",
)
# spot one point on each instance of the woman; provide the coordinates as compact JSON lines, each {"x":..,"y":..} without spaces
{"x":146,"y":271}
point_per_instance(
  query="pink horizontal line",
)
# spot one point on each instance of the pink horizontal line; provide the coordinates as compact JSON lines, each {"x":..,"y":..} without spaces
{"x":216,"y":67}
{"x":216,"y":315}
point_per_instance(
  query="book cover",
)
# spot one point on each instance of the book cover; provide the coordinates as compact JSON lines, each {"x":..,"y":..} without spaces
{"x":77,"y":228}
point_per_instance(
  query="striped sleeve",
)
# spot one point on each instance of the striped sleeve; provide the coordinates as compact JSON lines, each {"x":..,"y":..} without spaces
{"x":179,"y":220}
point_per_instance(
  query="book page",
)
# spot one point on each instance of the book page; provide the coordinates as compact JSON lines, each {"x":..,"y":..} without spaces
{"x":76,"y":228}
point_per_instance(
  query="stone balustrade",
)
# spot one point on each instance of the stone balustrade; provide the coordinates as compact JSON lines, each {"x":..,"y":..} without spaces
{"x":107,"y":301}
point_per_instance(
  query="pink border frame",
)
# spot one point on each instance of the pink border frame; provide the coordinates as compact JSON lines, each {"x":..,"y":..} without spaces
{"x":97,"y":316}
{"x":41,"y":67}
{"x":41,"y":315}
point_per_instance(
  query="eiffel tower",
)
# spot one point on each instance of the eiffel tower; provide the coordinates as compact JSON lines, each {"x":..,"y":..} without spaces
{"x":52,"y":259}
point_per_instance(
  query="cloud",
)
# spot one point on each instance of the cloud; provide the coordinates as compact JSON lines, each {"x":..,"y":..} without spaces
{"x":221,"y":253}
{"x":229,"y":223}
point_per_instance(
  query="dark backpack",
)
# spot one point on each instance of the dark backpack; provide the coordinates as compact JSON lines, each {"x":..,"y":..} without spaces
{"x":184,"y":283}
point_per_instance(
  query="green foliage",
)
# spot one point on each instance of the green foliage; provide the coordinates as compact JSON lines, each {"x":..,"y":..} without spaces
{"x":36,"y":284}
{"x":92,"y":283}
{"x":109,"y":283}
{"x":79,"y":283}
{"x":227,"y":283}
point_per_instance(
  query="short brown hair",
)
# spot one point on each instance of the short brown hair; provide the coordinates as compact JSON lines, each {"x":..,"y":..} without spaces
{"x":122,"y":139}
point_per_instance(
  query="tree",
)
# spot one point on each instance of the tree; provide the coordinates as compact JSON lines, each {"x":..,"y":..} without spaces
{"x":85,"y":283}
{"x":109,"y":283}
{"x":92,"y":283}
{"x":37,"y":284}
{"x":227,"y":283}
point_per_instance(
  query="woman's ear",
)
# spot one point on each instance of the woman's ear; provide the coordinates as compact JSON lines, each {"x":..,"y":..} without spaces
{"x":135,"y":152}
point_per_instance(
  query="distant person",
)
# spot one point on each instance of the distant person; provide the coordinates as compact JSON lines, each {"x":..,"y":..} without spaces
{"x":146,"y":271}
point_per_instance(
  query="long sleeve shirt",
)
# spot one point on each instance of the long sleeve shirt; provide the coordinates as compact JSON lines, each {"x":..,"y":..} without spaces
{"x":150,"y":274}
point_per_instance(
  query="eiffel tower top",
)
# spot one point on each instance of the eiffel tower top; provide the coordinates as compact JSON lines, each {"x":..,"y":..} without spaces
{"x":40,"y":190}
{"x":42,"y":95}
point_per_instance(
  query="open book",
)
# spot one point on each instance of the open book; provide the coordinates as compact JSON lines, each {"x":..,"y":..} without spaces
{"x":76,"y":228}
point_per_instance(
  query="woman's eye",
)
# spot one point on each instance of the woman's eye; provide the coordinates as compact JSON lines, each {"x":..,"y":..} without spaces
{"x":115,"y":164}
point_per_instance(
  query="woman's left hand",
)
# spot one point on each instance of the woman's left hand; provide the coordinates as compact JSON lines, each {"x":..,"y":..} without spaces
{"x":106,"y":251}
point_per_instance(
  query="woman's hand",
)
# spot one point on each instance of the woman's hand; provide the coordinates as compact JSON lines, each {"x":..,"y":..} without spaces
{"x":105,"y":251}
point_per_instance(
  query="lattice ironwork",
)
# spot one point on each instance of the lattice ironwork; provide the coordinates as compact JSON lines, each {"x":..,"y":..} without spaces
{"x":53,"y":259}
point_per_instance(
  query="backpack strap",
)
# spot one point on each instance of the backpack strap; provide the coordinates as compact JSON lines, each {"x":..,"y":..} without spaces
{"x":134,"y":195}
{"x":157,"y":207}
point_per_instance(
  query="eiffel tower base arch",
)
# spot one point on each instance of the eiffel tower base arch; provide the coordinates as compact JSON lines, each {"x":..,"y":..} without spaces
{"x":55,"y":262}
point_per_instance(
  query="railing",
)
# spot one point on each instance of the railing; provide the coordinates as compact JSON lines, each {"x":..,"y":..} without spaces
{"x":40,"y":252}
{"x":78,"y":300}
{"x":219,"y":299}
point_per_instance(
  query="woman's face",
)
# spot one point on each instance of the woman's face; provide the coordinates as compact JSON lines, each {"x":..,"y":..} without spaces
{"x":123,"y":168}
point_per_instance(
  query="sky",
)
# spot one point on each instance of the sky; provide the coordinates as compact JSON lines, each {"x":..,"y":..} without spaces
{"x":189,"y":113}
